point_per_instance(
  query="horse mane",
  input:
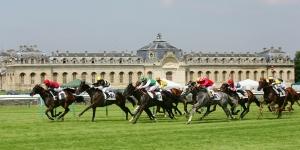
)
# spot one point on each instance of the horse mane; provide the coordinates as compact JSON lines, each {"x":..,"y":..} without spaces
{"x":69,"y":90}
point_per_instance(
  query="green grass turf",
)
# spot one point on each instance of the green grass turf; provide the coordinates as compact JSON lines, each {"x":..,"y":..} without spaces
{"x":26,"y":128}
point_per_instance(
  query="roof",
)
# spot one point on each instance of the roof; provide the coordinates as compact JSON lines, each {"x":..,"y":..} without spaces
{"x":158,"y":43}
{"x":110,"y":54}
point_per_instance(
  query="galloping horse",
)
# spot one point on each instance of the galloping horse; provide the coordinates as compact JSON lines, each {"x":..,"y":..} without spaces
{"x":146,"y":101}
{"x":51,"y":103}
{"x":204,"y":100}
{"x":292,"y":96}
{"x":242,"y":101}
{"x":271,"y":97}
{"x":98,"y":99}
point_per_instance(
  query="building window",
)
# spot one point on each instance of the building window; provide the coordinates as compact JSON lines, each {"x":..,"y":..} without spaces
{"x":43,"y":75}
{"x":32,"y":76}
{"x":74,"y":75}
{"x":149,"y":74}
{"x":130,"y":77}
{"x":263,"y":74}
{"x":281,"y":74}
{"x":94,"y":77}
{"x":224,"y":75}
{"x":112,"y":76}
{"x":65,"y":78}
{"x":255,"y":75}
{"x":139,"y":74}
{"x":240,"y":75}
{"x":102,"y":75}
{"x":199,"y":74}
{"x":54,"y":76}
{"x":232,"y":73}
{"x":216,"y":76}
{"x":191,"y":75}
{"x":121,"y":77}
{"x":22,"y":78}
{"x":288,"y":75}
{"x":169,"y":75}
{"x":83,"y":76}
{"x":274,"y":74}
{"x":247,"y":74}
{"x":208,"y":74}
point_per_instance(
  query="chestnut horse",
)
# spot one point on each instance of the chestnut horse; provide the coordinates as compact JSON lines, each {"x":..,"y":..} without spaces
{"x":98,"y":100}
{"x":51,"y":103}
{"x":271,"y":97}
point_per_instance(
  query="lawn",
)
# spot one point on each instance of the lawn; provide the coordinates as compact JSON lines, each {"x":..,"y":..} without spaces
{"x":22,"y":127}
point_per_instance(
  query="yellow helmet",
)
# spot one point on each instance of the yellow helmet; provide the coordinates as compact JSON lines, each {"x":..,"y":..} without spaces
{"x":270,"y":78}
{"x":98,"y":78}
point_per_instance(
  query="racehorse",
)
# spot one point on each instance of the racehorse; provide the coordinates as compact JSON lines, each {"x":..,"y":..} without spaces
{"x":98,"y":100}
{"x":174,"y":95}
{"x":146,"y":101}
{"x":292,"y":96}
{"x":271,"y":97}
{"x":203,"y":99}
{"x":242,"y":101}
{"x":51,"y":103}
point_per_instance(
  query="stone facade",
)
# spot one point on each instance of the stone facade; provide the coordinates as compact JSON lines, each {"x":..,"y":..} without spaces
{"x":22,"y":69}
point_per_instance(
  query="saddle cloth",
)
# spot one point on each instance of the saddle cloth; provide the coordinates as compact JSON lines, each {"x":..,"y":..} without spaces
{"x":242,"y":96}
{"x":157,"y":95}
{"x":281,"y":94}
{"x":110,"y":96}
{"x":216,"y":97}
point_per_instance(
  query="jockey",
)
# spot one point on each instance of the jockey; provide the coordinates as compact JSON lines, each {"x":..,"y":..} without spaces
{"x":168,"y":85}
{"x":103,"y":85}
{"x":270,"y":80}
{"x":234,"y":88}
{"x":208,"y":84}
{"x":53,"y":87}
{"x":150,"y":85}
{"x":280,"y":86}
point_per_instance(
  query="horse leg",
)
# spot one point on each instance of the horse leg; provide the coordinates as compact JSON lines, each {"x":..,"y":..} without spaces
{"x":193,"y":111}
{"x":137,"y":116}
{"x":149,"y":113}
{"x":177,"y":110}
{"x":66,"y":106}
{"x":206,"y":112}
{"x":227,"y":112}
{"x":185,"y":107}
{"x":214,"y":109}
{"x":126,"y":110}
{"x":244,"y":109}
{"x":94,"y":114}
{"x":87,"y":108}
{"x":46,"y":112}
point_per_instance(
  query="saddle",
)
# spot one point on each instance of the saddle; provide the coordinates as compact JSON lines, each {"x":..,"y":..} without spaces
{"x":109,"y":95}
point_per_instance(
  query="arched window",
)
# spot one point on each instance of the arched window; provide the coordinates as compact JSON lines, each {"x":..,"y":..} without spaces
{"x":54,"y":76}
{"x":169,"y":75}
{"x":83,"y":76}
{"x":274,"y":74}
{"x":64,"y":60}
{"x":247,"y":74}
{"x":191,"y":75}
{"x":43,"y":75}
{"x":216,"y":76}
{"x":199,"y":74}
{"x":208,"y":74}
{"x":139,"y":74}
{"x":102,"y":75}
{"x":112,"y":77}
{"x":121,"y":77}
{"x":288,"y":75}
{"x":93,"y":77}
{"x":232,"y":73}
{"x":74,"y":75}
{"x":240,"y":75}
{"x":255,"y":75}
{"x":149,"y":73}
{"x":64,"y":77}
{"x":130,"y":77}
{"x":22,"y":78}
{"x":32,"y":76}
{"x":224,"y":76}
{"x":281,"y":74}
{"x":262,"y":74}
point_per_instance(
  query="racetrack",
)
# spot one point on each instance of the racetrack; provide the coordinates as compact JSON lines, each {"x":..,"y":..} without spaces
{"x":26,"y":128}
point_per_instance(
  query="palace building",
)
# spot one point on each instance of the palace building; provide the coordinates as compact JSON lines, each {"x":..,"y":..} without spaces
{"x":22,"y":69}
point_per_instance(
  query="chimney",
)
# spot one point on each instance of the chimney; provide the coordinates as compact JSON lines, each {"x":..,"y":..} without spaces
{"x":104,"y":53}
{"x":85,"y":53}
{"x":123,"y":53}
{"x":67,"y":53}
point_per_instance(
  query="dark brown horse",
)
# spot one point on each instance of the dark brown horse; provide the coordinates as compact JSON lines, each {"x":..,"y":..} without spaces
{"x":291,"y":96}
{"x":271,"y":97}
{"x":175,"y":95}
{"x":242,"y":101}
{"x":146,"y":101}
{"x":98,"y":99}
{"x":51,"y":103}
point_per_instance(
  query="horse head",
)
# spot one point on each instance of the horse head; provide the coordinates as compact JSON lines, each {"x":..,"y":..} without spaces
{"x":224,"y":87}
{"x":129,"y":90}
{"x":37,"y":89}
{"x":262,"y":83}
{"x":82,"y":87}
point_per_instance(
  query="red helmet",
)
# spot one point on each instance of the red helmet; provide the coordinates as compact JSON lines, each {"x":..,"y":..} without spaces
{"x":230,"y":82}
{"x":46,"y":82}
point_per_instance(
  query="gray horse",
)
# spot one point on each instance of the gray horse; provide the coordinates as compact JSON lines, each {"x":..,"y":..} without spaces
{"x":203,"y":100}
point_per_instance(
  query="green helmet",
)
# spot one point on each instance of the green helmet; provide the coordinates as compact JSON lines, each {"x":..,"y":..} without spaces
{"x":143,"y":79}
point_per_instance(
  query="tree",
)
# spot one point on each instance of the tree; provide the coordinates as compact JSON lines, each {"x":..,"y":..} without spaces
{"x":297,"y":67}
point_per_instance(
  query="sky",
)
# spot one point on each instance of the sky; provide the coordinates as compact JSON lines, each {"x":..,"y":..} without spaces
{"x":127,"y":25}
